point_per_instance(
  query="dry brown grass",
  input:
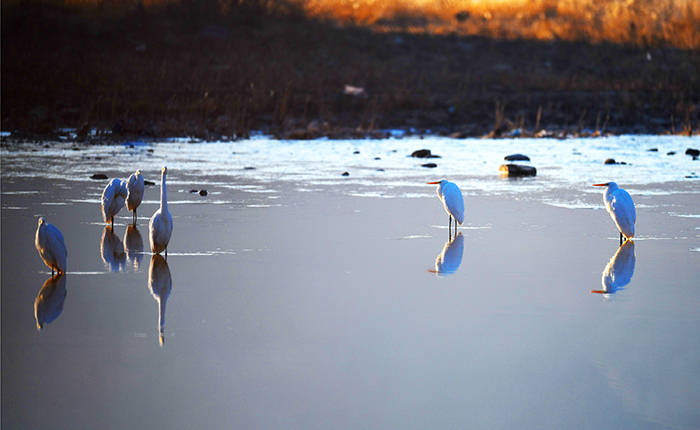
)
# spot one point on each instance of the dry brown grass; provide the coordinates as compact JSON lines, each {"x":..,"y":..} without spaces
{"x":639,"y":22}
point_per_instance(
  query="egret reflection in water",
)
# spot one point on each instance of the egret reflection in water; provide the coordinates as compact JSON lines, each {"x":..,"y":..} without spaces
{"x":449,"y":260}
{"x":133,"y":244}
{"x":112,"y":250}
{"x":48,"y":304}
{"x":618,"y":273}
{"x":159,"y":284}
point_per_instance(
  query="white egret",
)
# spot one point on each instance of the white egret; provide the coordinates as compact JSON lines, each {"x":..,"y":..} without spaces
{"x":48,"y":304}
{"x":160,"y":226}
{"x":621,"y":208}
{"x":113,"y":197}
{"x":134,"y":192}
{"x":51,"y":246}
{"x":451,"y":197}
{"x":618,"y":273}
{"x":449,"y":260}
{"x":159,"y":284}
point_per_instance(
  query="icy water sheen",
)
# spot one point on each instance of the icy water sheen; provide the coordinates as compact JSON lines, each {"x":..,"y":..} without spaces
{"x":294,"y":297}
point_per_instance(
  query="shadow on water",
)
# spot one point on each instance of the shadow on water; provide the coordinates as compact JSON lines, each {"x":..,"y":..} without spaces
{"x":133,"y":244}
{"x":159,"y":284}
{"x":449,"y":260}
{"x":618,"y":273}
{"x":112,"y":250}
{"x":48,"y":304}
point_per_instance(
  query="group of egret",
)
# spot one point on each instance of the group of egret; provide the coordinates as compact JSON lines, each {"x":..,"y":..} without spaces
{"x":617,"y":201}
{"x":49,"y":239}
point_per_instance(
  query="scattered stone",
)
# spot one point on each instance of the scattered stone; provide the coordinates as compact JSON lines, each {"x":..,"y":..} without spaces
{"x":429,"y":165}
{"x":516,"y":157}
{"x":380,"y":170}
{"x":653,"y":150}
{"x":98,"y":176}
{"x":203,"y":192}
{"x":693,"y":153}
{"x":671,"y":153}
{"x":150,"y":150}
{"x":194,"y":191}
{"x":345,"y":174}
{"x":147,"y":182}
{"x":423,"y":153}
{"x":356,"y":152}
{"x":249,"y":168}
{"x":377,"y":158}
{"x":610,"y":161}
{"x":517,"y":170}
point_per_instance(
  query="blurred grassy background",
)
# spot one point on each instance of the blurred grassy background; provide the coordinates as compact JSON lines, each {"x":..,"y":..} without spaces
{"x":214,"y":68}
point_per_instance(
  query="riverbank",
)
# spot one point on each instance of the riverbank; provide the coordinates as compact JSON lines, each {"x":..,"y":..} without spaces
{"x":188,"y":71}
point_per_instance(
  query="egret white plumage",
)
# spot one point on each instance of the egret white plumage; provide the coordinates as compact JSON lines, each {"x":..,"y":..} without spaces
{"x":134,"y":192}
{"x":51,"y":246}
{"x":621,"y":208}
{"x":160,"y":226}
{"x":113,"y":197}
{"x":451,"y":197}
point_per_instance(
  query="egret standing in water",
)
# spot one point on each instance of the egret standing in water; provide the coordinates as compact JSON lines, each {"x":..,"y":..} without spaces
{"x":113,"y":197}
{"x":451,"y":197}
{"x":160,"y":226}
{"x":621,"y":208}
{"x":134,"y":192}
{"x":51,"y":246}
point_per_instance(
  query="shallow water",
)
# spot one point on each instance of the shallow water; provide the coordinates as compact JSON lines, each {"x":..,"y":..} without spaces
{"x":298,"y":299}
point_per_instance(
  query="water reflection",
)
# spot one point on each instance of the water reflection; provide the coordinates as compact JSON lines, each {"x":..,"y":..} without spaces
{"x":133,"y":244}
{"x":160,"y":284}
{"x":48,"y":304}
{"x":618,"y":273}
{"x":112,"y":250}
{"x":449,"y":260}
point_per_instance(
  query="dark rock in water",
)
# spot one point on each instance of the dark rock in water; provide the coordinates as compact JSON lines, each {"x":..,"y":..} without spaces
{"x":147,"y":182}
{"x":653,"y":150}
{"x":249,"y":168}
{"x":377,"y":158}
{"x":671,"y":153}
{"x":203,"y":192}
{"x":380,"y":170}
{"x":610,"y":161}
{"x":356,"y":152}
{"x":345,"y":174}
{"x":194,"y":191}
{"x":517,"y":170}
{"x":98,"y":176}
{"x":429,"y":165}
{"x":516,"y":157}
{"x":622,"y":163}
{"x":693,"y":153}
{"x":423,"y":153}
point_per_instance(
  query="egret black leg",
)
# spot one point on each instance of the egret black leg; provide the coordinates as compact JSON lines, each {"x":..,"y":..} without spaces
{"x":620,"y":238}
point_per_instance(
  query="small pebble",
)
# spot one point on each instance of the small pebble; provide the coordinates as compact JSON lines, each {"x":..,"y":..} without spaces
{"x":429,"y":165}
{"x":98,"y":176}
{"x":249,"y":168}
{"x":345,"y":174}
{"x":356,"y":152}
{"x":147,"y":182}
{"x":203,"y":192}
{"x":653,"y":149}
{"x":671,"y":153}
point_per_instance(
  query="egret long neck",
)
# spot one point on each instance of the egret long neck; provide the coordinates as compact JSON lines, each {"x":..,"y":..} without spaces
{"x":163,"y":192}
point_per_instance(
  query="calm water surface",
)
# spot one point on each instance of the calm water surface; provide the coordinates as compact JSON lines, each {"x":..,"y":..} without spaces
{"x":293,"y":297}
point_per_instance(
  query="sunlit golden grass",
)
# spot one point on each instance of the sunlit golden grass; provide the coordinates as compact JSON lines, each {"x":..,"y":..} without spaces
{"x":640,"y":22}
